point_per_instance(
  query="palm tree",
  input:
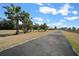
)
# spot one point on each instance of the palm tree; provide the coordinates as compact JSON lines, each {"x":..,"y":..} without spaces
{"x":12,"y":12}
{"x":30,"y":25}
{"x":45,"y":27}
{"x":36,"y":27}
{"x":24,"y":17}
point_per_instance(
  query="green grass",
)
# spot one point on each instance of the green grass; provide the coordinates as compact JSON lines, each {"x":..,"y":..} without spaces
{"x":73,"y":44}
{"x":73,"y":39}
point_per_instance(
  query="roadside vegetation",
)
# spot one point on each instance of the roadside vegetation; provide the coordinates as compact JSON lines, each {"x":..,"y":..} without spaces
{"x":10,"y":26}
{"x":72,"y":35}
{"x":14,"y":15}
{"x":71,"y":29}
{"x":73,"y":39}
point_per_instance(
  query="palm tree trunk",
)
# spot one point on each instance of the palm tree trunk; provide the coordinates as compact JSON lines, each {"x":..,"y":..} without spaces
{"x":25,"y":28}
{"x":17,"y":26}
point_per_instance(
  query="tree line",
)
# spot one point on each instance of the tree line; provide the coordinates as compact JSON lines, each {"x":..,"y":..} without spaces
{"x":14,"y":15}
{"x":71,"y":29}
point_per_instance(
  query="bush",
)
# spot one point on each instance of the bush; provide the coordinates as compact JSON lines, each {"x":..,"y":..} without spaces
{"x":6,"y":24}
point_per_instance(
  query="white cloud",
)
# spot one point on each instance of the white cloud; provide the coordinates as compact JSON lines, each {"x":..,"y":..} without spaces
{"x":45,"y":10}
{"x":65,"y":9}
{"x":62,"y":20}
{"x":66,"y":6}
{"x":38,"y":19}
{"x":71,"y":18}
{"x":48,"y":4}
{"x":59,"y":24}
{"x":53,"y":11}
{"x":39,"y":23}
{"x":48,"y":10}
{"x":41,"y":4}
{"x":75,"y":12}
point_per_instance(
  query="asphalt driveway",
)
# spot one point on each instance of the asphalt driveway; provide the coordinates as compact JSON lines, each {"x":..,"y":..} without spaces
{"x":53,"y":44}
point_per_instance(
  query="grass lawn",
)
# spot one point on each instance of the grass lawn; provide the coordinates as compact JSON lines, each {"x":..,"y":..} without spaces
{"x":73,"y":39}
{"x":14,"y":40}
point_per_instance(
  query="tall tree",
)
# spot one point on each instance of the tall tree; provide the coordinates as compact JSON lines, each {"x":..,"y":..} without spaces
{"x":36,"y":26}
{"x":24,"y":17}
{"x":12,"y":12}
{"x":78,"y":30}
{"x":45,"y":27}
{"x":73,"y":29}
{"x":55,"y":27}
{"x":30,"y":25}
{"x":69,"y":29}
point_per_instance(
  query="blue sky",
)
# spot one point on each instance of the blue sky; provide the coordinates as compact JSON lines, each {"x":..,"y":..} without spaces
{"x":54,"y":14}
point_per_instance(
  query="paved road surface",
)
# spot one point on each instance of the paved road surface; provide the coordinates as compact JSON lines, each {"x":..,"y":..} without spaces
{"x":54,"y":44}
